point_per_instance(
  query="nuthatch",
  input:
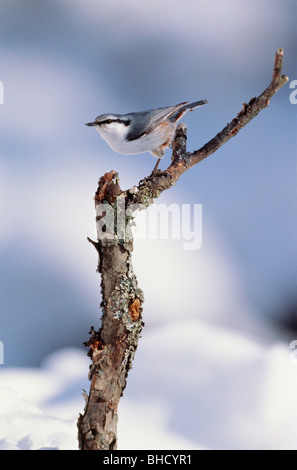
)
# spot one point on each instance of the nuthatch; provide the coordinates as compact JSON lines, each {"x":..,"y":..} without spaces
{"x":145,"y":131}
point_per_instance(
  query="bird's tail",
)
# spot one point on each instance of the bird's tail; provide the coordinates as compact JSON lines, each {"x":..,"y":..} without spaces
{"x":185,"y":108}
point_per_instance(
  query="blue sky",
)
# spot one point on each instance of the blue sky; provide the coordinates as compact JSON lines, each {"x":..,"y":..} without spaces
{"x":64,"y":63}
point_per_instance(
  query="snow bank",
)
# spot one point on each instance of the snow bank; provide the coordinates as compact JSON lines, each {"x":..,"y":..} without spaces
{"x":193,"y":386}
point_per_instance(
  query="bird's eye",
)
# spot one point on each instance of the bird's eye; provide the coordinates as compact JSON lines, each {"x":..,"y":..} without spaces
{"x":108,"y":121}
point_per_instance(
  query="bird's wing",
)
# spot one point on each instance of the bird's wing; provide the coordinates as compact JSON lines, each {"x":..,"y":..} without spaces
{"x":146,"y":121}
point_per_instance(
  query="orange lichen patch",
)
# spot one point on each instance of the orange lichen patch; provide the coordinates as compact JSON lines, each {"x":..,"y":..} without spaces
{"x":97,"y":345}
{"x":96,"y":349}
{"x":134,"y":309}
{"x":106,"y":190}
{"x":108,"y":176}
{"x":94,"y":343}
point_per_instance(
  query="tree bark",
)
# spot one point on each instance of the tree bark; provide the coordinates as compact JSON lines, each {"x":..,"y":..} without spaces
{"x":112,"y":348}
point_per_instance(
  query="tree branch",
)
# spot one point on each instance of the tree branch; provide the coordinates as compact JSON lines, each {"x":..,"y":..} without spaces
{"x":112,"y":348}
{"x":152,"y":186}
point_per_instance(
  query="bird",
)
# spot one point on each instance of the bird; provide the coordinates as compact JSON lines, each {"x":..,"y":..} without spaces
{"x":139,"y":132}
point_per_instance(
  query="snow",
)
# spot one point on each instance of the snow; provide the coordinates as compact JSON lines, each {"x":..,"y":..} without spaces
{"x":193,"y":386}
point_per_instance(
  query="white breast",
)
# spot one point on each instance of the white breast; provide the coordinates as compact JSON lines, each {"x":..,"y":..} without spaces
{"x":115,"y":135}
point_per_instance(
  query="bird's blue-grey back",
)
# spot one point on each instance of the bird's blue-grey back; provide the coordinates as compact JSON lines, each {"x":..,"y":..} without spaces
{"x":145,"y":122}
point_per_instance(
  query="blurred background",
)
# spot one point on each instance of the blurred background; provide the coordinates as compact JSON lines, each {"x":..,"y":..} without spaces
{"x":62,"y":64}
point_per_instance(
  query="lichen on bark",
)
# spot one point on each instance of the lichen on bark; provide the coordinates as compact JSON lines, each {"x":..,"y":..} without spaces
{"x":112,"y":348}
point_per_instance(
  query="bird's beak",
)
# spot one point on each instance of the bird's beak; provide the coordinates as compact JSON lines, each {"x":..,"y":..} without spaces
{"x":91,"y":124}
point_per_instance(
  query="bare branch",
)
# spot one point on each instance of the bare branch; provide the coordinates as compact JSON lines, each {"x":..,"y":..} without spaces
{"x":152,"y":186}
{"x":112,"y":348}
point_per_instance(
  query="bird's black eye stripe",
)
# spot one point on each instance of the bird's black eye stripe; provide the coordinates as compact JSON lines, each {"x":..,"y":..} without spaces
{"x":126,"y":122}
